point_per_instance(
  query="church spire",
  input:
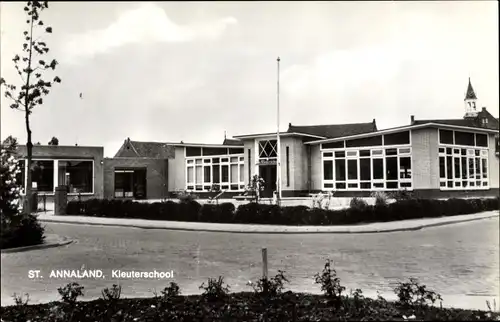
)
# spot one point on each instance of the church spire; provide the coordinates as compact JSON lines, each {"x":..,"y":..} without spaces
{"x":470,"y":101}
{"x":470,"y":95}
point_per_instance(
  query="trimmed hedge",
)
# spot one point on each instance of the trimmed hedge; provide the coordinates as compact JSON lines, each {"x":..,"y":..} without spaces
{"x":253,"y":213}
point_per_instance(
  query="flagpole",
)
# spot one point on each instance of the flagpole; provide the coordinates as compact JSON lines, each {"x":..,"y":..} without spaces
{"x":278,"y":165}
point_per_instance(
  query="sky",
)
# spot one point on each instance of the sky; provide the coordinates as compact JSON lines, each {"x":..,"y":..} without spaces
{"x":172,"y":71}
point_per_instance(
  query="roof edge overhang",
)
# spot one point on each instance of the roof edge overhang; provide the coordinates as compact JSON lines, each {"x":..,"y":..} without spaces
{"x":401,"y":129}
{"x":282,"y":134}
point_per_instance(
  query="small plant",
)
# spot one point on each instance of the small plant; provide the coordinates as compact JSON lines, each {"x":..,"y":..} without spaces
{"x":271,"y":286}
{"x":402,"y":194}
{"x":215,"y":289}
{"x":380,"y":198}
{"x":255,"y":186}
{"x":322,"y":200}
{"x":412,"y":293}
{"x":112,"y":294}
{"x":488,"y":305}
{"x":185,"y":196}
{"x":19,"y":300}
{"x":330,"y":283}
{"x":358,"y":203}
{"x":70,"y":293}
{"x":171,"y":291}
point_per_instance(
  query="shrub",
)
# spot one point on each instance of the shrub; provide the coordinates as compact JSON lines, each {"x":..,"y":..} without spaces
{"x":380,"y":198}
{"x":298,"y":215}
{"x":112,"y":294}
{"x":21,"y":230}
{"x":171,"y":291}
{"x":70,"y":293}
{"x":186,"y":196}
{"x":271,"y":286}
{"x":358,"y":203}
{"x":215,"y":289}
{"x":330,"y":283}
{"x":412,"y":293}
{"x":402,"y":194}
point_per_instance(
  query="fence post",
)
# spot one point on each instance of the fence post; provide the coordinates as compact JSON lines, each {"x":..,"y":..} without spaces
{"x":264,"y":263}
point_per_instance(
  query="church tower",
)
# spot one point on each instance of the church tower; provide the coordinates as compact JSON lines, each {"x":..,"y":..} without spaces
{"x":470,"y":102}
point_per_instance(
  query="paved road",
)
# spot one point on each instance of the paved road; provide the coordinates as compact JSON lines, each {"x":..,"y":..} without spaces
{"x":455,"y":260}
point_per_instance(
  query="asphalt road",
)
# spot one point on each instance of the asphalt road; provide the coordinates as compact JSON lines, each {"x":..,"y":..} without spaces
{"x":460,"y":261}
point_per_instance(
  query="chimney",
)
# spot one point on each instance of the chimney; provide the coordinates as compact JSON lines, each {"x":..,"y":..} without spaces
{"x":412,"y":119}
{"x":483,"y":109}
{"x":374,"y":125}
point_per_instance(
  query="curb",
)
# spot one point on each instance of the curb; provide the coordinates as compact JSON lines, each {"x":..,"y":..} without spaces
{"x":285,"y":231}
{"x":61,"y":242}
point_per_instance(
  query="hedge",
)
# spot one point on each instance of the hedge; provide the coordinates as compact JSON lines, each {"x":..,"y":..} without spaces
{"x":253,"y":213}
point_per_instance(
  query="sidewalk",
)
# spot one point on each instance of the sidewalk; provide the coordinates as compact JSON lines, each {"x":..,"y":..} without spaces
{"x":405,"y":225}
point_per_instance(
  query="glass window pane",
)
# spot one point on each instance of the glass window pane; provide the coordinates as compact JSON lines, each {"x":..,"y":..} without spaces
{"x":397,"y":138}
{"x":242,"y":173}
{"x":333,"y":145}
{"x":77,"y":175}
{"x":206,"y":174}
{"x":405,"y":168}
{"x":340,"y":154}
{"x":328,"y":170}
{"x":190,"y":174}
{"x":369,"y":141}
{"x":391,"y":151}
{"x":456,"y":162}
{"x":340,"y":185}
{"x":464,"y":167}
{"x":43,"y":174}
{"x":352,"y":169}
{"x":364,"y":168}
{"x":446,"y":137}
{"x":442,"y":173}
{"x":365,"y":185}
{"x":340,"y":169}
{"x":216,"y":173}
{"x":364,"y":153}
{"x":378,"y":168}
{"x":198,"y":176}
{"x":392,"y":184}
{"x":214,"y":151}
{"x":234,"y":159}
{"x":464,"y":138}
{"x":482,"y":140}
{"x":449,"y":167}
{"x":236,"y":151}
{"x":193,"y":151}
{"x":225,"y":173}
{"x":471,"y":168}
{"x":485,"y":168}
{"x":234,"y":174}
{"x":478,"y":168}
{"x":328,"y":185}
{"x":391,"y":168}
{"x":328,"y":154}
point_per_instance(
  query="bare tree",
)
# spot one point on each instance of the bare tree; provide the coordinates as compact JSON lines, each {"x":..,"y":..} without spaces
{"x":30,"y":66}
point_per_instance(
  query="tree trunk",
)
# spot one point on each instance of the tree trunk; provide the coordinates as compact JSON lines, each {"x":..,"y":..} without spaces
{"x":29,"y":147}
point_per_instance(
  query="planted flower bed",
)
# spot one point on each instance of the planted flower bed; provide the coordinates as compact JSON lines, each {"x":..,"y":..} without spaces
{"x":254,"y":213}
{"x":267,"y":302}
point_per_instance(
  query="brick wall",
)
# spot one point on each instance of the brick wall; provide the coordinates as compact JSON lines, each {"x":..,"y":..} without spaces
{"x":54,"y":152}
{"x":156,"y":175}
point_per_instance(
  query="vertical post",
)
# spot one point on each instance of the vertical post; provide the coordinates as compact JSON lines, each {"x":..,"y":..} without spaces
{"x":264,"y":262}
{"x":278,"y":165}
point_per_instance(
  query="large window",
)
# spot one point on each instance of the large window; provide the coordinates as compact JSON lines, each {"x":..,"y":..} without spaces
{"x":463,"y":168}
{"x":224,"y":170}
{"x":77,"y":175}
{"x":130,"y":183}
{"x":368,"y":168}
{"x":42,"y":173}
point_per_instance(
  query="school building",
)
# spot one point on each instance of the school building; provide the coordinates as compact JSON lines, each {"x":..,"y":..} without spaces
{"x":433,"y":158}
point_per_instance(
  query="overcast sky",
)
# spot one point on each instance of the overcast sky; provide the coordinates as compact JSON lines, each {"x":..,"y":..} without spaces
{"x":172,"y":71}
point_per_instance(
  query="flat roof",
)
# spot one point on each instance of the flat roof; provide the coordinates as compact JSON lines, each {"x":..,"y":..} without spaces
{"x":401,"y":129}
{"x":252,"y":136}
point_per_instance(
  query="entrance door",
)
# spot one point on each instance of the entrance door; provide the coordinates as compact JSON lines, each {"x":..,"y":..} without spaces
{"x":140,"y":184}
{"x":268,"y":173}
